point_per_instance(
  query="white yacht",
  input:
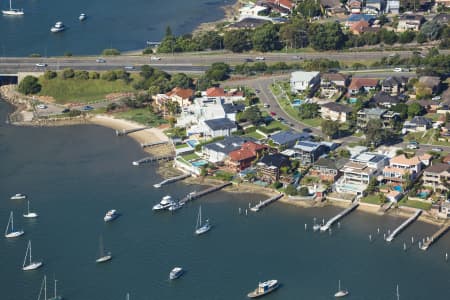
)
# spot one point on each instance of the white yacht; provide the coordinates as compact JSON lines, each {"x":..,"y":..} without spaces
{"x":30,"y":214}
{"x":32,"y":265}
{"x":111,"y":215}
{"x":165,"y":203}
{"x":176,"y":273}
{"x":264,"y":288}
{"x":175,"y":206}
{"x":201,"y":228}
{"x":13,"y":11}
{"x":58,"y":27}
{"x":18,"y":197}
{"x":340,"y":293}
{"x":10,"y":233}
{"x":103,"y":257}
{"x":82,"y":17}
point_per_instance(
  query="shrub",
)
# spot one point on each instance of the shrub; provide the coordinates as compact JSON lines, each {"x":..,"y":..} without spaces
{"x":94,"y":75}
{"x":109,"y":76}
{"x":110,"y":52}
{"x":84,"y":75}
{"x":68,"y":73}
{"x":50,"y":74}
{"x":29,"y":85}
{"x":304,"y":191}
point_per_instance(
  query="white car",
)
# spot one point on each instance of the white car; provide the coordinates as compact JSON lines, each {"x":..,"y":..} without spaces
{"x":437,"y":149}
{"x":100,"y":60}
{"x":155,"y":58}
{"x":398,"y":70}
{"x":41,"y":65}
{"x":42,"y":106}
{"x":259,"y":58}
{"x":412,"y":147}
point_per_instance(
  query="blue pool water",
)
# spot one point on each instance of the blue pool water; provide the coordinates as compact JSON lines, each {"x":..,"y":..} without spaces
{"x":352,"y":100}
{"x":192,"y":143}
{"x":297,"y":102}
{"x":199,"y":163}
{"x":423,"y":195}
{"x":398,"y":188}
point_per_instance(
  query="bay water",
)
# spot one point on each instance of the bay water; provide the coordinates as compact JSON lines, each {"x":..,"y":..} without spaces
{"x":73,"y":175}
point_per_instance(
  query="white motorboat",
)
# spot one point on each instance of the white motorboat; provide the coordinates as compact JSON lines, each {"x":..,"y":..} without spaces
{"x":165,"y":203}
{"x":264,"y":288}
{"x":201,"y":228}
{"x":18,"y":197}
{"x":82,"y":17}
{"x":30,"y":214}
{"x":13,"y":11}
{"x":103,"y":257}
{"x":341,"y":293}
{"x":58,"y":27}
{"x":175,"y":206}
{"x":176,"y":273}
{"x":111,"y":215}
{"x":32,"y":265}
{"x":10,"y":233}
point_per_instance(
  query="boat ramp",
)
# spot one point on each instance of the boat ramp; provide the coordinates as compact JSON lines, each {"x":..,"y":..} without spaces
{"x":266,"y":202}
{"x":411,"y":219}
{"x":435,"y":237}
{"x":150,"y":145}
{"x":171,"y":180}
{"x":127,"y":131}
{"x":150,"y":159}
{"x":196,"y":195}
{"x":339,"y":216}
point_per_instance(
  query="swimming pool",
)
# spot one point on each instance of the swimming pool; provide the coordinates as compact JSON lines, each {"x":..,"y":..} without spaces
{"x":192,"y":143}
{"x":297,"y":102}
{"x":398,"y":188}
{"x":199,"y":163}
{"x":352,"y":100}
{"x":423,"y":195}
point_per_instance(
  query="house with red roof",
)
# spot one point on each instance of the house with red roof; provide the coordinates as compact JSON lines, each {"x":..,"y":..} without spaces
{"x":177,"y":94}
{"x":242,"y":158}
{"x":362,"y":84}
{"x":284,"y":4}
{"x":218,"y":92}
{"x":361,"y":27}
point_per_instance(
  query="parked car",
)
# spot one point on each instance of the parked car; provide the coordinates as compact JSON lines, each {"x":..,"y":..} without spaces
{"x":87,"y":108}
{"x":129,"y":67}
{"x":65,"y":110}
{"x":272,"y":113}
{"x":257,"y":91}
{"x":437,"y":98}
{"x":155,"y":58}
{"x":437,"y":149}
{"x":248,"y":60}
{"x":412,"y":147}
{"x":266,"y":105}
{"x":260,"y":58}
{"x":308,"y":130}
{"x":413,"y":143}
{"x":398,"y":69}
{"x":41,"y":65}
{"x":41,"y":106}
{"x":100,"y":60}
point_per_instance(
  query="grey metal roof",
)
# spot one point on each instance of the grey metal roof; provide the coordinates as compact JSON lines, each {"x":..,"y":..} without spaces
{"x":233,"y":108}
{"x":222,"y":123}
{"x":228,"y":144}
{"x":286,"y":137}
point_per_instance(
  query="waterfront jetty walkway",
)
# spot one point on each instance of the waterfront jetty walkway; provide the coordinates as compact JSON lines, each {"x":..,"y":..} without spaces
{"x":435,"y":236}
{"x":127,"y":131}
{"x":339,"y":216}
{"x":266,"y":202}
{"x":150,"y":159}
{"x":411,"y":219}
{"x":171,"y":180}
{"x":150,"y":145}
{"x":196,"y":195}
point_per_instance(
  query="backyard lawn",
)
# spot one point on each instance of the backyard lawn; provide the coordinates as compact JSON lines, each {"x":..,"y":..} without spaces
{"x":142,"y":116}
{"x":415,"y":204}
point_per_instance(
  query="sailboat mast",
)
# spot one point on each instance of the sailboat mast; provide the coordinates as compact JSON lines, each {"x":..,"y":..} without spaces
{"x":28,"y":206}
{"x":45,"y":287}
{"x":29,"y":243}
{"x":7,"y":225}
{"x":10,"y":6}
{"x":398,"y":294}
{"x":26,"y":255}
{"x":12,"y":222}
{"x":55,"y":288}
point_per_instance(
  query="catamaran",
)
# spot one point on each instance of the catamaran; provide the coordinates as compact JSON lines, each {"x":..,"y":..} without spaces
{"x":29,"y":214}
{"x":32,"y":265}
{"x":199,"y":228}
{"x":103,"y":257}
{"x":12,"y":11}
{"x":11,"y":233}
{"x":340,"y":292}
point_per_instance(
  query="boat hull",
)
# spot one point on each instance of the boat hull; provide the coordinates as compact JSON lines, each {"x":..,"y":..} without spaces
{"x":14,"y":234}
{"x":341,"y":294}
{"x":109,"y":218}
{"x":103,"y":259}
{"x":33,"y":266}
{"x":256,"y":293}
{"x":176,"y":274}
{"x":203,"y":229}
{"x":30,"y":215}
{"x":12,"y":13}
{"x":18,"y":197}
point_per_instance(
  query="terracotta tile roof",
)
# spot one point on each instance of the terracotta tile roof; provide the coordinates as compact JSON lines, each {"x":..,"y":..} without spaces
{"x":394,"y":170}
{"x":253,"y":146}
{"x":180,"y":92}
{"x":403,"y":160}
{"x":333,"y":76}
{"x":241,"y":154}
{"x":284,"y":3}
{"x":446,"y":159}
{"x":215,"y":92}
{"x":360,"y":26}
{"x":425,"y":156}
{"x":358,"y":83}
{"x":438,"y":168}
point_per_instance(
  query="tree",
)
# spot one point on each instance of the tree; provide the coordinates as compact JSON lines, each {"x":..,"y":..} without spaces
{"x":237,"y":40}
{"x":326,"y":36}
{"x":265,"y":38}
{"x":252,"y":114}
{"x":146,"y":71}
{"x":109,"y":75}
{"x":68,"y":73}
{"x":415,"y":109}
{"x":406,"y":37}
{"x":181,"y":80}
{"x":309,"y":8}
{"x":49,"y":74}
{"x":372,"y":185}
{"x":83,"y":75}
{"x":330,"y":128}
{"x":218,"y":71}
{"x":304,"y":191}
{"x":374,"y":132}
{"x":110,"y":52}
{"x":29,"y":85}
{"x":402,"y":109}
{"x":387,"y":36}
{"x":210,"y":40}
{"x":291,"y":190}
{"x":295,"y":33}
{"x":309,"y":111}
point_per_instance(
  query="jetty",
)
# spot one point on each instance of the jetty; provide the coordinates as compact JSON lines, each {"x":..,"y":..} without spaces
{"x":127,"y":131}
{"x":403,"y":225}
{"x":266,"y":202}
{"x":149,"y":145}
{"x":339,"y":216}
{"x":151,"y":159}
{"x":196,"y":195}
{"x":435,"y":237}
{"x":171,"y":180}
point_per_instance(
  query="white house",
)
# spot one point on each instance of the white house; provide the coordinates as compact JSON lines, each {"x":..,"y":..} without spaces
{"x":302,"y":81}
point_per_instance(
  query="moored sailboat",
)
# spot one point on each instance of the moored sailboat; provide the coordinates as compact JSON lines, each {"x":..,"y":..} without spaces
{"x":32,"y":265}
{"x":13,"y":11}
{"x":340,"y":292}
{"x":201,"y":228}
{"x":103,"y":257}
{"x":11,"y":233}
{"x":30,"y":215}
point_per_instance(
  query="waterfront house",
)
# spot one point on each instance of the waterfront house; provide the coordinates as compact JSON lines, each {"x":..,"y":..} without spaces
{"x":269,"y":166}
{"x":218,"y":151}
{"x":182,"y":96}
{"x":358,"y":85}
{"x":394,"y":85}
{"x":402,"y":166}
{"x":437,"y":176}
{"x":417,"y":124}
{"x":392,"y":7}
{"x":226,"y":96}
{"x":335,"y":112}
{"x":218,"y":127}
{"x":361,"y":27}
{"x":308,"y":152}
{"x":301,"y":81}
{"x":354,"y":6}
{"x":384,"y":100}
{"x":366,"y":115}
{"x":242,"y":158}
{"x":287,"y":139}
{"x":409,"y":22}
{"x":327,"y":169}
{"x":282,"y":6}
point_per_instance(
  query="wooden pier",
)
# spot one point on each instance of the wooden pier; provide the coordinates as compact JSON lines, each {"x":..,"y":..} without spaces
{"x":339,"y":216}
{"x":151,"y":159}
{"x":149,"y":145}
{"x":435,"y":237}
{"x":266,"y":202}
{"x":411,"y":219}
{"x":127,"y":131}
{"x":171,"y":180}
{"x":196,"y":195}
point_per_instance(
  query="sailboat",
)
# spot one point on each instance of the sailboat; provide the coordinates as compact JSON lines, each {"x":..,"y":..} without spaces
{"x":340,"y":293}
{"x":103,"y":258}
{"x":55,"y":296}
{"x":398,"y":295}
{"x":199,"y":228}
{"x":11,"y":233}
{"x":43,"y":288}
{"x":32,"y":265}
{"x":29,"y":214}
{"x":12,"y":11}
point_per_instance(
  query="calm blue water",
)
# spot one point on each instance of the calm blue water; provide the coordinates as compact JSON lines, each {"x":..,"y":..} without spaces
{"x":125,"y":25}
{"x":73,"y":175}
